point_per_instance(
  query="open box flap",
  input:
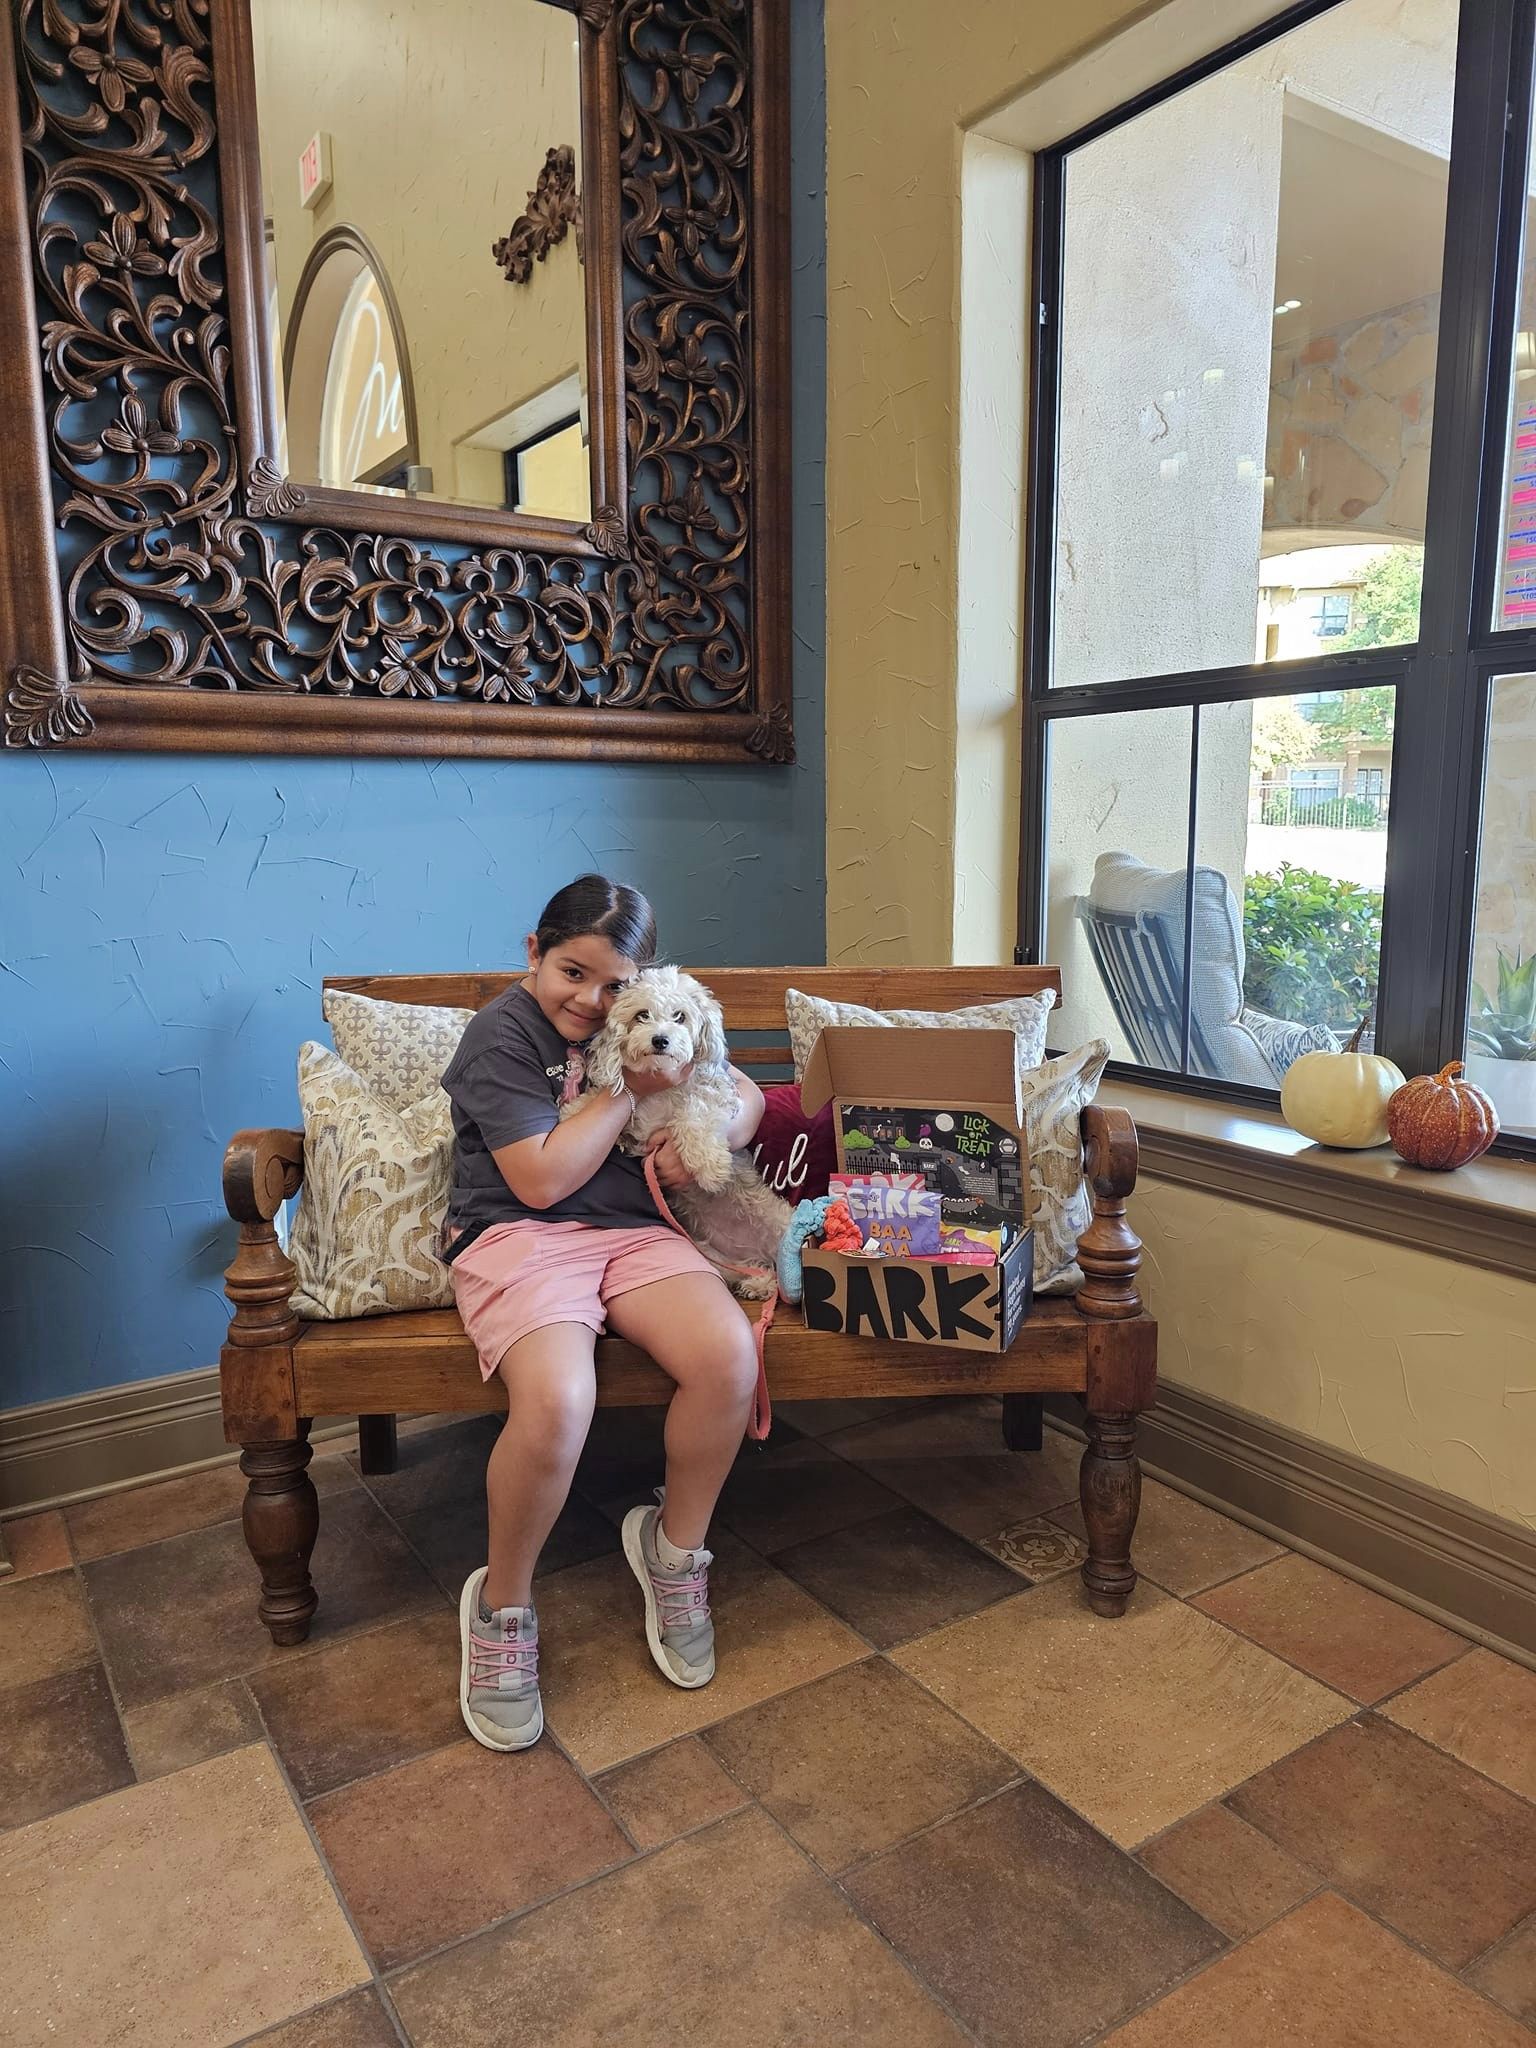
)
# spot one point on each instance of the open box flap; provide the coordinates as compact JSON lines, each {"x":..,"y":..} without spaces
{"x":893,"y":1064}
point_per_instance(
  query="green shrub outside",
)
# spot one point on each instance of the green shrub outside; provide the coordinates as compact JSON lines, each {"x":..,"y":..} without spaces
{"x":1313,"y":945}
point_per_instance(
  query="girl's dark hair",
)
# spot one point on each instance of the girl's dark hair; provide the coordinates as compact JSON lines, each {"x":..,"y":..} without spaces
{"x":592,"y":906}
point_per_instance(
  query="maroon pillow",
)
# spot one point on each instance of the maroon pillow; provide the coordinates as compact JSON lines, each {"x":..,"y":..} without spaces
{"x":796,"y":1154}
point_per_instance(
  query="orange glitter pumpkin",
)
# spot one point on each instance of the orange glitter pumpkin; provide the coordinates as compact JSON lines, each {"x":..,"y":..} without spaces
{"x":1439,"y":1121}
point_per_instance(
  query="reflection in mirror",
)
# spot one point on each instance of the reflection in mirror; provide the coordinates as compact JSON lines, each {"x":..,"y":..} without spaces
{"x":426,"y":307}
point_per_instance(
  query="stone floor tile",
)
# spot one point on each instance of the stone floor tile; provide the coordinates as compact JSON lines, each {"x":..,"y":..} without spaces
{"x":1437,"y":1852}
{"x":34,"y":1544}
{"x":60,"y":1744}
{"x":194,"y":1911}
{"x":1327,"y":1977}
{"x":365,"y":1703}
{"x":728,"y":1936}
{"x":182,"y":1613}
{"x":189,"y":1727}
{"x":670,"y":1792}
{"x":857,"y":1761}
{"x":451,"y":1539}
{"x":607,"y":1701}
{"x":450,"y":1842}
{"x":897,"y":1575}
{"x":949,"y":1426}
{"x":1340,"y":1632}
{"x":44,"y":1628}
{"x":356,"y":2021}
{"x":1135,"y":1722}
{"x":821,"y":1418}
{"x":987,"y":1491}
{"x":1182,"y":1545}
{"x":1035,"y":1930}
{"x":1507,"y":1973}
{"x":436,"y":1467}
{"x":1231,"y":1874}
{"x":1482,"y":1709}
{"x":1037,"y":1550}
{"x":797,"y":1493}
{"x":144,"y":1514}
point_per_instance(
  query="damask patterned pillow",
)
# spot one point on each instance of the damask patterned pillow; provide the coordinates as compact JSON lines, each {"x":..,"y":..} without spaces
{"x":1024,"y":1016}
{"x":375,"y":1191}
{"x":397,"y":1050}
{"x":1061,"y":1205}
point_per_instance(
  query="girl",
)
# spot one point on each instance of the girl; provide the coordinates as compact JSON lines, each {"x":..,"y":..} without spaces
{"x":553,"y":1237}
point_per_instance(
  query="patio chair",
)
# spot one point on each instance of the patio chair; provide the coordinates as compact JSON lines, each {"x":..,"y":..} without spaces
{"x":1133,"y":919}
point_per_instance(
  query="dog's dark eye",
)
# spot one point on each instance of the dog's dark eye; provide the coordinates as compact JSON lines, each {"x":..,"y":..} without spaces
{"x":642,"y":1016}
{"x":681,"y":1017}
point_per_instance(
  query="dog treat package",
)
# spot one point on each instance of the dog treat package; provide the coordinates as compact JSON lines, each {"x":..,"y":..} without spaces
{"x":896,"y":1209}
{"x":923,"y":1118}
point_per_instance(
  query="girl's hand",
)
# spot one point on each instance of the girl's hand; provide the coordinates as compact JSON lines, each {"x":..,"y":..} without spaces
{"x":670,"y":1170}
{"x":650,"y":1082}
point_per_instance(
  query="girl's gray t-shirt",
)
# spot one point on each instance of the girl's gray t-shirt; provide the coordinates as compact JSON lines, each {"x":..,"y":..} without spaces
{"x":504,"y":1084}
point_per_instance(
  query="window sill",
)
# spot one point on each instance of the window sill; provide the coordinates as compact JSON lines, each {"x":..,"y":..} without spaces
{"x":1483,"y":1214}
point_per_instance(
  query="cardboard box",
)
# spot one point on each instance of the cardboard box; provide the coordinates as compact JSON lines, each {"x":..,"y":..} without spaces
{"x":944,"y":1104}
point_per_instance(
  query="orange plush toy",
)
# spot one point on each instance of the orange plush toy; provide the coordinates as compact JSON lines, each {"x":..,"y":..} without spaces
{"x":840,"y":1233}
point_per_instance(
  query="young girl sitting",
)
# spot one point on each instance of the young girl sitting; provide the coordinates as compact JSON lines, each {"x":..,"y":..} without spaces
{"x":552,"y":1238}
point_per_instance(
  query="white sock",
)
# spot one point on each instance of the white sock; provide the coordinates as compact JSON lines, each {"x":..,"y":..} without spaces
{"x":668,"y":1554}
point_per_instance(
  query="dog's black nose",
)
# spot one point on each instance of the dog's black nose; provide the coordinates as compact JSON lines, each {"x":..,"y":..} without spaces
{"x":660,"y":1041}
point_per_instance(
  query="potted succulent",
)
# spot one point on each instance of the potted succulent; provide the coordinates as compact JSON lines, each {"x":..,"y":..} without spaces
{"x":1501,"y":1041}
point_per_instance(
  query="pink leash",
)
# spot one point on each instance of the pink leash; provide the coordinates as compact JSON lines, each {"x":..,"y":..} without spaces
{"x":762,"y":1412}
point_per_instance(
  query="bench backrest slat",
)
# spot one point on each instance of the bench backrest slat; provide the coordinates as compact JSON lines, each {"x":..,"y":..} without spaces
{"x":753,"y":997}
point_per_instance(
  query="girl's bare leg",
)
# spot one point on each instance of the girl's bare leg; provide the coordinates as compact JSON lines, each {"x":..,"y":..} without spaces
{"x":551,"y":1392}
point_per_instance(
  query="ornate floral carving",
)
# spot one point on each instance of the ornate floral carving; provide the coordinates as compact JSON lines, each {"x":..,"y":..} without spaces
{"x":42,"y":711}
{"x":595,"y":13}
{"x":554,"y":207}
{"x":773,"y":737}
{"x":180,"y":573}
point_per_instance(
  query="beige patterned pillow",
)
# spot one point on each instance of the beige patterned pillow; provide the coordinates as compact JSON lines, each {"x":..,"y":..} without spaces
{"x":375,"y":1191}
{"x":1024,"y":1016}
{"x":1061,"y":1204}
{"x":397,"y":1050}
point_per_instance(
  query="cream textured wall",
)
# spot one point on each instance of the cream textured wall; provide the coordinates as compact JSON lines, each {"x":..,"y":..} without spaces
{"x":904,"y":79}
{"x":1417,"y":1363}
{"x":439,"y":112}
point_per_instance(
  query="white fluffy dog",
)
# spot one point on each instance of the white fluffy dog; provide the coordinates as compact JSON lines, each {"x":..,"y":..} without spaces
{"x":663,"y":1022}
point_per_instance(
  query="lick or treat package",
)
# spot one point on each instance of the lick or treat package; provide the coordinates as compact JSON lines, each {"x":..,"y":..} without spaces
{"x":933,"y":1164}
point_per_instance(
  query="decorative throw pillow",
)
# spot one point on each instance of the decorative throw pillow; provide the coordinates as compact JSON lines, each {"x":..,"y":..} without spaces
{"x":1025,"y":1016}
{"x":397,"y":1050}
{"x":375,"y":1191}
{"x":796,"y":1154}
{"x":1061,"y":1204}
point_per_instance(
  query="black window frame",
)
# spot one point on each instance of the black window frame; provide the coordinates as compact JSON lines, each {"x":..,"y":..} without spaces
{"x":1444,"y":680}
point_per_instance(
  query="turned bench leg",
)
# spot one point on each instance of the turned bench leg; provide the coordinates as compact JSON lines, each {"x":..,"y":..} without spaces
{"x":282,"y":1519}
{"x":1110,"y":1490}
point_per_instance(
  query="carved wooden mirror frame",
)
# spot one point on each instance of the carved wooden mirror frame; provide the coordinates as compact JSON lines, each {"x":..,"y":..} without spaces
{"x":164,"y":586}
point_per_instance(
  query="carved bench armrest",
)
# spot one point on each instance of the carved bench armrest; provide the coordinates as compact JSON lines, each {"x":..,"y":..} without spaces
{"x":1109,"y":1251}
{"x":261,"y":1170}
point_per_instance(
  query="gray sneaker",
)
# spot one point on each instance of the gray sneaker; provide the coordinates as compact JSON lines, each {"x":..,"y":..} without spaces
{"x":498,"y":1671}
{"x":677,"y":1623}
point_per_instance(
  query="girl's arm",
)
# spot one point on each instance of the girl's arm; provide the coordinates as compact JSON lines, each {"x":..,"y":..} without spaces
{"x":742,"y":1128}
{"x":544,"y":1170}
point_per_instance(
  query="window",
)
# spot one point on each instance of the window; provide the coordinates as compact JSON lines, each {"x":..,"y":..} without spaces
{"x":1266,"y":715}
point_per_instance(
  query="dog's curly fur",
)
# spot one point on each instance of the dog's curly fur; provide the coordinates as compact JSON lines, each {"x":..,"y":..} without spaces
{"x":663,"y":1022}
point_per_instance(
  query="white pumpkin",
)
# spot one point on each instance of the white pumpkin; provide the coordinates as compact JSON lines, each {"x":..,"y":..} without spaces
{"x":1340,"y":1098}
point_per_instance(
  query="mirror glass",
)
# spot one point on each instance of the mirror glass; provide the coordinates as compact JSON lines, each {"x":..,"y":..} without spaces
{"x":426,"y":315}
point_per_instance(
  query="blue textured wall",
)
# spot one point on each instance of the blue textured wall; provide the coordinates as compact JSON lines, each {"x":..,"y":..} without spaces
{"x":165,"y":924}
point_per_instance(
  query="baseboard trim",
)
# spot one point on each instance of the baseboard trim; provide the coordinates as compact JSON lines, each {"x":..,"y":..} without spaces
{"x":1439,"y":1555}
{"x":61,"y":1451}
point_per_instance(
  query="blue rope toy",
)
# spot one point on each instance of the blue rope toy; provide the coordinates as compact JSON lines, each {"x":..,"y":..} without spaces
{"x":806,"y":1222}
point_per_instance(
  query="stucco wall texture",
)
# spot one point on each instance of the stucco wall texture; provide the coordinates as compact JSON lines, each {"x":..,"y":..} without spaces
{"x":165,"y":924}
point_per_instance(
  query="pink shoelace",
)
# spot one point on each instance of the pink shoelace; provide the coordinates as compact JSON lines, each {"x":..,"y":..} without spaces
{"x":682,"y":1598}
{"x":492,"y":1658}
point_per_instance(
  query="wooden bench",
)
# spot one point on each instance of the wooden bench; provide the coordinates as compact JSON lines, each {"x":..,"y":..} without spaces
{"x":278,"y":1371}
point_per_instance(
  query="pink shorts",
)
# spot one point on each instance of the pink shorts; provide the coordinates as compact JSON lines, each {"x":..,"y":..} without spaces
{"x":520,"y":1277}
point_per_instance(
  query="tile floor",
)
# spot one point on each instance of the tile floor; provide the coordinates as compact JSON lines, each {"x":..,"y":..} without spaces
{"x":930,"y":1797}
